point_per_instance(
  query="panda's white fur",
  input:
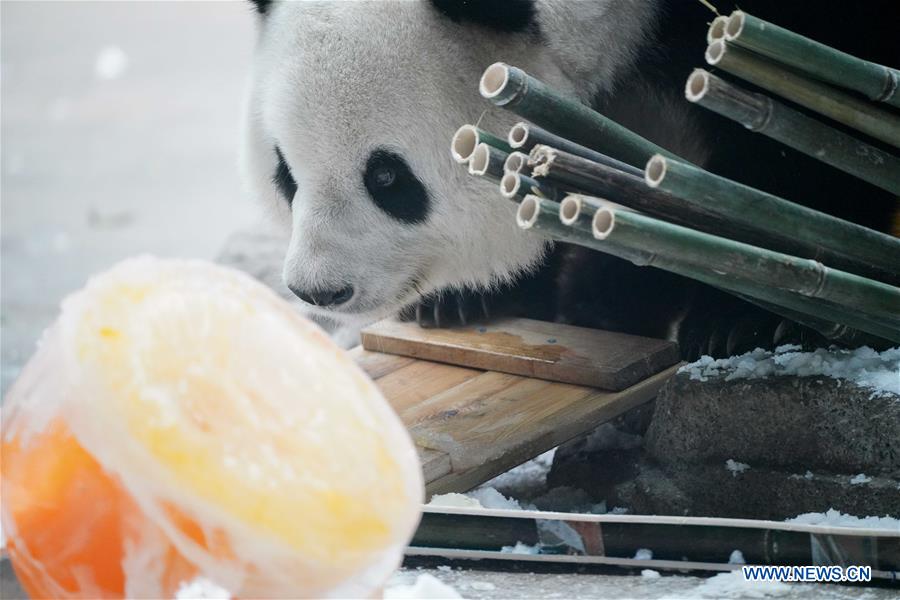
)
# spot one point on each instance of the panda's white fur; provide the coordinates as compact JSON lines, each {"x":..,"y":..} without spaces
{"x":334,"y":80}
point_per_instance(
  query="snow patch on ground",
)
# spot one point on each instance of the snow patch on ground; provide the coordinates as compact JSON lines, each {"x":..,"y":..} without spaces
{"x":836,"y":518}
{"x":488,"y":497}
{"x":111,"y":63}
{"x":523,"y":480}
{"x":650,"y":574}
{"x":861,"y":478}
{"x":454,"y":500}
{"x":201,"y":587}
{"x":426,"y":587}
{"x":733,"y":585}
{"x":521,"y":548}
{"x":643,"y":554}
{"x":877,"y":371}
{"x":735,"y":467}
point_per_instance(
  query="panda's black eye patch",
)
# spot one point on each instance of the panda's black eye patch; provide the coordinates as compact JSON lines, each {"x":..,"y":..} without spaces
{"x":394,"y":189}
{"x":283,"y":179}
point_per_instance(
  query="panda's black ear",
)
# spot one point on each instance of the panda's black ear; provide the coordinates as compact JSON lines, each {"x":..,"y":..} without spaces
{"x":500,"y":15}
{"x":261,"y":6}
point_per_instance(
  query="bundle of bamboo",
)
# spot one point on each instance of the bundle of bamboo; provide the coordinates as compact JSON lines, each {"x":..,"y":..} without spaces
{"x":584,"y":188}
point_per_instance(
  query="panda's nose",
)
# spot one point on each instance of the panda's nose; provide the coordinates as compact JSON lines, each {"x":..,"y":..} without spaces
{"x":323,"y":297}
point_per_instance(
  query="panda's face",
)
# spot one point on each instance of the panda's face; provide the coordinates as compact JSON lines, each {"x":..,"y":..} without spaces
{"x":349,"y":120}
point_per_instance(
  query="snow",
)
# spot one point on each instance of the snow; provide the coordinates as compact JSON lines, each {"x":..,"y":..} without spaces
{"x":643,"y":554}
{"x":482,"y":586}
{"x":111,"y":63}
{"x":735,"y":467}
{"x":737,"y":558}
{"x":836,"y":518}
{"x":650,"y":574}
{"x":861,"y":478}
{"x":877,"y":371}
{"x":426,"y":587}
{"x":488,"y":497}
{"x":733,"y":585}
{"x":201,"y":587}
{"x":454,"y":500}
{"x":527,"y":475}
{"x":520,"y":548}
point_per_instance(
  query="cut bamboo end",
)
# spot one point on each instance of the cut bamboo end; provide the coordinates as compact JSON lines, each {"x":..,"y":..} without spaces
{"x":697,"y":85}
{"x":656,"y":170}
{"x":515,"y":162}
{"x":518,"y":135}
{"x":603,"y":223}
{"x":715,"y":51}
{"x":494,"y":80}
{"x":734,"y":25}
{"x":463,"y":144}
{"x":528,"y":212}
{"x":570,"y":209}
{"x":716,"y":29}
{"x":481,"y":159}
{"x":510,"y":184}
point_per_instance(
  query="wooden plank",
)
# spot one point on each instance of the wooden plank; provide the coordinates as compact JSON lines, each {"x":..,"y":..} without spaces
{"x":376,"y":364}
{"x":552,"y":351}
{"x":416,"y":382}
{"x":520,"y":423}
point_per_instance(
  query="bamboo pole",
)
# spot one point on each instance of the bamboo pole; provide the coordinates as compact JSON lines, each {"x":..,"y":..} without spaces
{"x":487,"y":160}
{"x":716,"y":29}
{"x":514,"y":89}
{"x":873,"y":301}
{"x":802,"y":231}
{"x":525,"y":136}
{"x":516,"y":186}
{"x":575,"y":207}
{"x":515,"y":162}
{"x":748,"y":271}
{"x":761,"y":114}
{"x":571,"y":172}
{"x":824,"y":99}
{"x":578,"y":211}
{"x":814,"y":59}
{"x":467,"y":138}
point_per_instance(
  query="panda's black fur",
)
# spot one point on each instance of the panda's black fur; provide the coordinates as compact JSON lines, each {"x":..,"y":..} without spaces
{"x":651,"y":302}
{"x":591,"y":289}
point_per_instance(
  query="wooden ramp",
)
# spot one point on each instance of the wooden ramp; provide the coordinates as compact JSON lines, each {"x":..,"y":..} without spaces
{"x":510,"y":394}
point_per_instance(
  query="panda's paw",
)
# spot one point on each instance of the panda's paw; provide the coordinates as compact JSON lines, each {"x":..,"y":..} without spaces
{"x":449,"y":309}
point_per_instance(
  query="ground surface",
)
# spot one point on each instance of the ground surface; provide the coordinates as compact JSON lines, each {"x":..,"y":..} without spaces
{"x":120,"y":127}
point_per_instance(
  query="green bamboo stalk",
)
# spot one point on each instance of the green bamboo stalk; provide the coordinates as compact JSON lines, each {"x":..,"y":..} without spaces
{"x":814,"y":59}
{"x":514,"y":89}
{"x":689,"y":253}
{"x":525,"y":136}
{"x":577,"y":211}
{"x":728,"y":209}
{"x":791,"y":227}
{"x":578,"y":207}
{"x":487,"y":160}
{"x":467,"y":138}
{"x":516,"y":186}
{"x":516,"y":162}
{"x":675,"y":245}
{"x":761,"y":114}
{"x":824,"y":99}
{"x":542,"y":216}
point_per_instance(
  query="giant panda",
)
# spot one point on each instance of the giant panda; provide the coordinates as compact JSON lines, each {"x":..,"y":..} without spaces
{"x":352,"y":105}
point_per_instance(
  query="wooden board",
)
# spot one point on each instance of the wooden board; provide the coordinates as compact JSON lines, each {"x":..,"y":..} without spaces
{"x":551,"y":351}
{"x":470,"y":425}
